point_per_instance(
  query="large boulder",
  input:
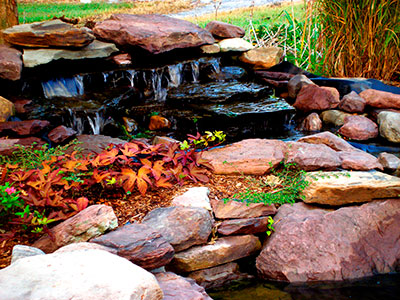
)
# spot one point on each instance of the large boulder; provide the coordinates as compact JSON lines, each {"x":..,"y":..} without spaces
{"x":79,"y":275}
{"x":153,"y":33}
{"x":312,"y":97}
{"x":96,"y":49}
{"x":21,"y":128}
{"x":262,"y":58}
{"x":87,"y":224}
{"x":339,"y":188}
{"x":10,"y":63}
{"x":140,"y":244}
{"x":96,"y":143}
{"x":222,"y":30}
{"x":314,"y":244}
{"x":381,"y":99}
{"x":7,"y":109}
{"x":359,"y":161}
{"x":47,"y":34}
{"x":181,"y":226}
{"x":237,"y":210}
{"x":359,"y":128}
{"x":61,"y":134}
{"x":389,"y":126}
{"x":352,"y":103}
{"x":249,"y":157}
{"x":8,"y":146}
{"x":329,"y":139}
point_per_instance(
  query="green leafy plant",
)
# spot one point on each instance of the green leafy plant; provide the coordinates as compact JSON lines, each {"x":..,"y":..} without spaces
{"x":270,"y":226}
{"x":10,"y":200}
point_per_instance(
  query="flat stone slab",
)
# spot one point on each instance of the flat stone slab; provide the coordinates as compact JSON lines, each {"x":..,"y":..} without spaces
{"x":224,"y":250}
{"x":339,"y":188}
{"x":233,"y":209}
{"x":243,"y":226}
{"x":194,"y":197}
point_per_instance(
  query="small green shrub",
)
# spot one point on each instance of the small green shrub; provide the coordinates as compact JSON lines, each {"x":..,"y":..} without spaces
{"x":9,"y":200}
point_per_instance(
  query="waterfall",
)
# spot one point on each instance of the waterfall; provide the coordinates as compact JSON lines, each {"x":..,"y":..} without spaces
{"x":195,"y":66}
{"x":131,"y":74}
{"x":63,"y":87}
{"x":84,"y":121}
{"x":175,"y":75}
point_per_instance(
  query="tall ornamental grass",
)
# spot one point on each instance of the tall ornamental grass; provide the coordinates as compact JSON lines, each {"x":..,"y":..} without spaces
{"x":360,"y":38}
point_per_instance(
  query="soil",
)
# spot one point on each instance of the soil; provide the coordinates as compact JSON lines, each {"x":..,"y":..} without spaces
{"x":134,"y":208}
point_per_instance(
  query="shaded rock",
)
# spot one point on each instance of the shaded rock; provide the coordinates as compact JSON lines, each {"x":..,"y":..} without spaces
{"x":218,"y":276}
{"x":311,"y":123}
{"x":359,"y":128}
{"x":176,"y":287}
{"x":313,"y":97}
{"x":296,"y":83}
{"x":181,"y":226}
{"x":235,"y":44}
{"x":8,"y":146}
{"x":159,"y":122}
{"x":237,"y":210}
{"x":80,"y":275}
{"x":22,"y":251}
{"x":221,"y":30}
{"x":262,"y":58}
{"x":248,"y":157}
{"x":96,"y":143}
{"x":389,"y":126}
{"x":210,"y":49}
{"x":139,"y":244}
{"x":339,"y":188}
{"x":96,"y":49}
{"x":53,"y":33}
{"x":22,"y":106}
{"x":329,"y":139}
{"x":60,"y":134}
{"x":310,"y":157}
{"x":243,"y":226}
{"x":224,"y":250}
{"x":381,"y":99}
{"x":352,"y":103}
{"x":30,"y":127}
{"x":10,"y":63}
{"x":6,"y":109}
{"x":194,"y":197}
{"x":359,"y":161}
{"x":87,"y":224}
{"x":130,"y":124}
{"x":334,"y":117}
{"x":152,"y":33}
{"x":390,"y":162}
{"x":321,"y":244}
{"x":122,"y":59}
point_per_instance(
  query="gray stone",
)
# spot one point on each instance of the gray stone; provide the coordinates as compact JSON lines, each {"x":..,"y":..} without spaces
{"x":389,"y":126}
{"x":296,"y":83}
{"x":22,"y":251}
{"x":390,"y":162}
{"x":334,"y":117}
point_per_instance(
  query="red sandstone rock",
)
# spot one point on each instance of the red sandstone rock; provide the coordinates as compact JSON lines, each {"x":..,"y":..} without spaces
{"x":8,"y":146}
{"x":89,"y":223}
{"x":21,"y":128}
{"x":359,"y":161}
{"x":60,"y":134}
{"x":21,"y":106}
{"x":221,"y":30}
{"x":243,"y":226}
{"x":140,"y":244}
{"x":153,"y":33}
{"x":249,"y":157}
{"x":237,"y":210}
{"x":329,"y":139}
{"x":311,"y":123}
{"x":312,"y":97}
{"x":381,"y":99}
{"x":122,"y":59}
{"x":159,"y":122}
{"x":359,"y":128}
{"x":352,"y":103}
{"x":390,"y":162}
{"x":10,"y":63}
{"x":296,"y":83}
{"x":313,"y":244}
{"x":96,"y":143}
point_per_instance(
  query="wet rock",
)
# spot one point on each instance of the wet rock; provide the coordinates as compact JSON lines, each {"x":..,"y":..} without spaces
{"x":359,"y":128}
{"x":176,"y":287}
{"x":381,"y":99}
{"x":181,"y":226}
{"x":262,"y":58}
{"x":87,"y":224}
{"x":96,"y":49}
{"x":235,"y":45}
{"x":6,"y":109}
{"x":334,"y":117}
{"x":352,"y":103}
{"x":210,"y":49}
{"x":313,"y":97}
{"x":77,"y":275}
{"x":159,"y":122}
{"x":130,"y":124}
{"x":310,"y":157}
{"x":359,"y":161}
{"x":329,"y":139}
{"x":221,"y":30}
{"x":390,"y":162}
{"x":389,"y":126}
{"x":296,"y":83}
{"x":61,"y":134}
{"x":194,"y":197}
{"x":97,"y":143}
{"x":53,"y":33}
{"x":22,"y":128}
{"x":249,"y":157}
{"x":322,"y":244}
{"x":140,"y":244}
{"x":224,"y":250}
{"x":339,"y":188}
{"x":122,"y":59}
{"x":237,"y":210}
{"x":218,"y":276}
{"x":8,"y":146}
{"x":311,"y":123}
{"x":243,"y":226}
{"x":22,"y":251}
{"x":10,"y":63}
{"x":152,"y":33}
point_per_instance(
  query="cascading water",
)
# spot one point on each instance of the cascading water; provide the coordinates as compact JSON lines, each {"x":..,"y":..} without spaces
{"x":63,"y":87}
{"x":85,"y":121}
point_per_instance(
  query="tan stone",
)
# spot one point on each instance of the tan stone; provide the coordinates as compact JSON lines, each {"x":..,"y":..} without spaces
{"x":158,"y":122}
{"x":381,"y":99}
{"x":210,"y":49}
{"x":235,"y":209}
{"x":334,"y":117}
{"x":263,"y":58}
{"x":235,"y":44}
{"x":7,"y":109}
